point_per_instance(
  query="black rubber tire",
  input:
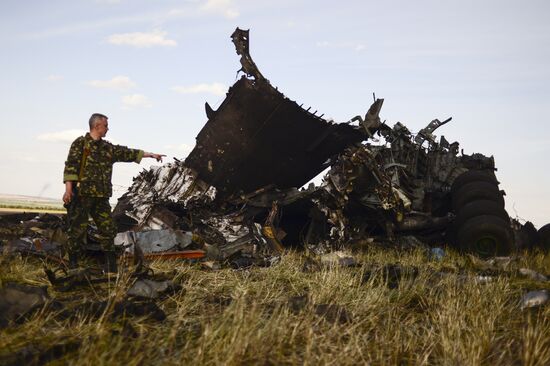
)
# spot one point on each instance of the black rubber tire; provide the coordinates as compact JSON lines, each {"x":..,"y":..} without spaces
{"x":476,"y":185}
{"x":477,"y":208}
{"x":527,"y":237}
{"x":476,"y":191}
{"x":544,"y":237}
{"x":473,"y":176}
{"x":486,"y":236}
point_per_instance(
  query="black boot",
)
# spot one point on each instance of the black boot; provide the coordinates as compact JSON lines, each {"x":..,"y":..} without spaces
{"x":73,"y":260}
{"x":110,"y":262}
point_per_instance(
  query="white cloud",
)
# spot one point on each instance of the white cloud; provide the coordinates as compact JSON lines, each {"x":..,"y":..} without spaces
{"x":60,"y":136}
{"x":108,"y":1}
{"x":356,"y":46}
{"x":214,"y":88}
{"x":119,"y":82}
{"x":82,"y":26}
{"x":136,"y":100}
{"x":223,"y":7}
{"x":53,"y":78}
{"x":190,"y":9}
{"x":141,"y":39}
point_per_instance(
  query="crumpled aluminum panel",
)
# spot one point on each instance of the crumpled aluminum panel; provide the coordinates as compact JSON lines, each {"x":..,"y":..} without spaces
{"x":258,"y":137}
{"x":154,"y":241}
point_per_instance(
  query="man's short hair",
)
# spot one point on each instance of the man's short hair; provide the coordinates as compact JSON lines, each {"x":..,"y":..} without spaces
{"x":96,"y":117}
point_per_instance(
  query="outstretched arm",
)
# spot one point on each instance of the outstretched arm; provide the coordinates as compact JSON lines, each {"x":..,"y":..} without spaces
{"x":123,"y":153}
{"x":154,"y":156}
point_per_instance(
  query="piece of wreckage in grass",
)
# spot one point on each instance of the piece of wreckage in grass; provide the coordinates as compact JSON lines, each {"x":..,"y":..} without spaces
{"x":238,"y":190}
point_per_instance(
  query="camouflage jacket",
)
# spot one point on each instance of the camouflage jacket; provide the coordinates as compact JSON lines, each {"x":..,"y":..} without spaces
{"x":95,"y":179}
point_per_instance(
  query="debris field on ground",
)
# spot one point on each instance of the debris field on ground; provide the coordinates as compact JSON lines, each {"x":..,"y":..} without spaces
{"x":404,"y":253}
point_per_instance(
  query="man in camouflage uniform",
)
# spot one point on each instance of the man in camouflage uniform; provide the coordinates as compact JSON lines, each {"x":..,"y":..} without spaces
{"x":87,"y":179}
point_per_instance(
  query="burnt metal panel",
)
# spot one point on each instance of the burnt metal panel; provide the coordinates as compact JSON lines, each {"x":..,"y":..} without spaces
{"x":258,"y":137}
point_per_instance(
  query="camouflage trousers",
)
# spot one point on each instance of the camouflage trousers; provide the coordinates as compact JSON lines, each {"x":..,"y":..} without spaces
{"x":78,"y":215}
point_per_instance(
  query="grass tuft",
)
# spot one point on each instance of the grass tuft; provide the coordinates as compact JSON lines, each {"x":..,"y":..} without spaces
{"x":287,"y":314}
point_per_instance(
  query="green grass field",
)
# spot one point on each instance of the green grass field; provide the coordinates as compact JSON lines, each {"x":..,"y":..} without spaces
{"x":14,"y":203}
{"x":277,"y":315}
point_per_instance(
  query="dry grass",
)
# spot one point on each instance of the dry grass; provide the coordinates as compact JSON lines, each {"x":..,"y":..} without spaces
{"x":250,"y":317}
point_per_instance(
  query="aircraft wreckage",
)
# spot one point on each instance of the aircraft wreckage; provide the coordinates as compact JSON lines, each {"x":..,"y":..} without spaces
{"x":238,"y":192}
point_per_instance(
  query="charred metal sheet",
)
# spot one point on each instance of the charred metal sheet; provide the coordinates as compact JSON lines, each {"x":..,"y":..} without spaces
{"x":153,"y":241}
{"x":18,"y":300}
{"x":241,"y":39}
{"x":259,"y":137}
{"x":149,"y":289}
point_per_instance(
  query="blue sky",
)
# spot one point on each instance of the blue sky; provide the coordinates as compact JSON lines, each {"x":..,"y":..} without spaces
{"x":151,"y":65}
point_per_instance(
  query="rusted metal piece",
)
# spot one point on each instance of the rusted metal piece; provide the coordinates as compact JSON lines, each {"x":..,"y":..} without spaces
{"x":19,"y":300}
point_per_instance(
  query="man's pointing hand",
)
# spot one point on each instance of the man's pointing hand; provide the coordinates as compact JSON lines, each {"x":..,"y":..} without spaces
{"x":158,"y":157}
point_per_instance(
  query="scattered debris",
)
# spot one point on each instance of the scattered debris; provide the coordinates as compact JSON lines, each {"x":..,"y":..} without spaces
{"x":150,"y":289}
{"x":481,"y":279}
{"x":221,"y":205}
{"x":338,"y":258}
{"x":535,"y":298}
{"x":120,"y":309}
{"x":493,"y":264}
{"x":310,"y":265}
{"x":437,"y":253}
{"x":26,"y":245}
{"x":182,"y":254}
{"x":502,"y":263}
{"x":212,"y":265}
{"x":532,"y":274}
{"x":239,"y":200}
{"x":297,"y":303}
{"x":154,"y":241}
{"x":74,"y":278}
{"x":242,"y":262}
{"x":19,"y":300}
